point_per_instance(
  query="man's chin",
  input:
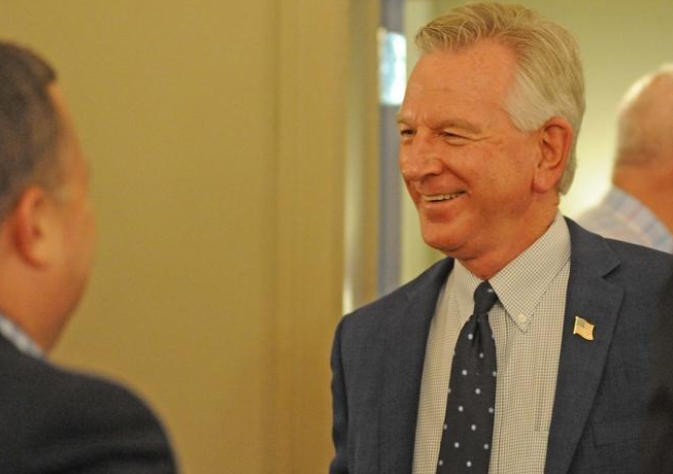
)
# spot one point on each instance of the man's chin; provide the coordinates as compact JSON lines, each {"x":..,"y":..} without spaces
{"x":445,"y":244}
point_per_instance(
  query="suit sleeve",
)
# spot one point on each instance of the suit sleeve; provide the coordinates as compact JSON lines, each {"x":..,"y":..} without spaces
{"x":96,"y":427}
{"x":339,"y":463}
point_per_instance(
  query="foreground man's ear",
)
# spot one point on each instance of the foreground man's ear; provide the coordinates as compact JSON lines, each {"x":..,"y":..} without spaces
{"x":556,"y":137}
{"x":34,"y":227}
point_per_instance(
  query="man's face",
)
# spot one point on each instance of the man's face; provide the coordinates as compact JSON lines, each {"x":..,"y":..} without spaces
{"x":75,"y":214}
{"x":467,"y":168}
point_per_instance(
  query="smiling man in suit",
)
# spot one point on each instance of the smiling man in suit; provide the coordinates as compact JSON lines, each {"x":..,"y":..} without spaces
{"x":527,"y":349}
{"x":53,"y":420}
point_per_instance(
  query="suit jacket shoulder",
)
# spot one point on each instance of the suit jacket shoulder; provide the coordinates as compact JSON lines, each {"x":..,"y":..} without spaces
{"x":367,"y":322}
{"x":58,"y":421}
{"x":377,"y":364}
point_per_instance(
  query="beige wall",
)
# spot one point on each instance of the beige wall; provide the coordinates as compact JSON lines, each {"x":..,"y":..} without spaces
{"x":216,"y":133}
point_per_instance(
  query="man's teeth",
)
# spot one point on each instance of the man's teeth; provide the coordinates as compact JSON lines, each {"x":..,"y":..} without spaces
{"x":441,"y":197}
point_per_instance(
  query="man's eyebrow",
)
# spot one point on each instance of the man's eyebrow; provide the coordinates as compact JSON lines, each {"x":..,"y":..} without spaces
{"x":458,"y":123}
{"x":453,"y":122}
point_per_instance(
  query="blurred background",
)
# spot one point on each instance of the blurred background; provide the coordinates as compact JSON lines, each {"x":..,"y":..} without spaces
{"x":244,"y":175}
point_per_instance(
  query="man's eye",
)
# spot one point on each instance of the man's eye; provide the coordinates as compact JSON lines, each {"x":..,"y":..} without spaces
{"x":405,"y":132}
{"x":451,"y":135}
{"x":454,"y":138}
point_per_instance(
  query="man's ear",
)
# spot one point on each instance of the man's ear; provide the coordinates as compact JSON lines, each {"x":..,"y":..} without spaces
{"x":33,"y":227}
{"x":555,"y":141}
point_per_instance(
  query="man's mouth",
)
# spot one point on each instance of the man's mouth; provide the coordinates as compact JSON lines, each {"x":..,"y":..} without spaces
{"x":441,"y":197}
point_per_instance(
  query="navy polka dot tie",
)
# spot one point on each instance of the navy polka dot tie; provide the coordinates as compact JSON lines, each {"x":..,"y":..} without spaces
{"x":468,"y":424}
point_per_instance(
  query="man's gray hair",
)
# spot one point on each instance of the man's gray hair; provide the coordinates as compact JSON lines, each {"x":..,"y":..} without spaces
{"x":548,"y":81}
{"x":29,"y":125}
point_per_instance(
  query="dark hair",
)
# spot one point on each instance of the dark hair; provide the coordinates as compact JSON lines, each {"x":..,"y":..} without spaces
{"x":29,"y":125}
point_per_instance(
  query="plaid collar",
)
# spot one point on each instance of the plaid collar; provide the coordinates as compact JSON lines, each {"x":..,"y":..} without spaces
{"x":18,"y":337}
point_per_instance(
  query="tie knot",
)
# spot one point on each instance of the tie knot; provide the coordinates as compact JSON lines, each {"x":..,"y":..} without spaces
{"x":484,"y":298}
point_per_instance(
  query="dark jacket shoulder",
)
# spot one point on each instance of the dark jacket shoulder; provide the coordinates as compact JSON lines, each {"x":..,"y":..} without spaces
{"x":426,"y":285}
{"x":629,"y":261}
{"x":56,"y":420}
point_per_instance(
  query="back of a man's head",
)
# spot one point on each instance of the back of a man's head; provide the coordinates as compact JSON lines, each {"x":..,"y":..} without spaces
{"x":46,"y":221}
{"x":644,"y":135}
{"x":28,"y":124}
{"x":549,"y":80}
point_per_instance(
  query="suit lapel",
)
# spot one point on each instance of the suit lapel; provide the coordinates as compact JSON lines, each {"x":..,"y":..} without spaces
{"x":404,"y":354}
{"x":581,"y":365}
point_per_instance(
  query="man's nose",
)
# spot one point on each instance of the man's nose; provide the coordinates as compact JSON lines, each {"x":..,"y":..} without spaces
{"x":420,"y":158}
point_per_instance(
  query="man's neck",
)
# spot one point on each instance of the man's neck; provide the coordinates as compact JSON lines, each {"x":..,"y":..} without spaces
{"x":488,"y":264}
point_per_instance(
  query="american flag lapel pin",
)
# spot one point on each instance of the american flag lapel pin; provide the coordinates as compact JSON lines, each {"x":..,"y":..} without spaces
{"x":584,"y":328}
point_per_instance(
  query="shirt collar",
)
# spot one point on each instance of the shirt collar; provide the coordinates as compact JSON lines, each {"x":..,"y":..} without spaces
{"x":649,"y":227}
{"x":521,"y":284}
{"x":18,"y":338}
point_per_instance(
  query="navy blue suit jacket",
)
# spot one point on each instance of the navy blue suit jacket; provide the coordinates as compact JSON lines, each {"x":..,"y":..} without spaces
{"x":657,"y":431}
{"x":54,"y":421}
{"x":378,"y":354}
